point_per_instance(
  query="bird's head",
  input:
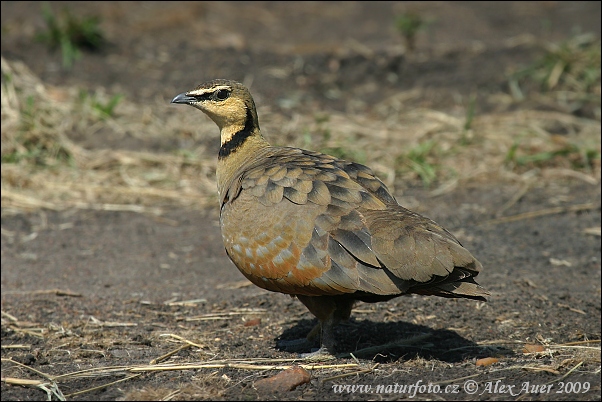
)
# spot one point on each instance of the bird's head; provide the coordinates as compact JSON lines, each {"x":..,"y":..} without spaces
{"x":228,"y":103}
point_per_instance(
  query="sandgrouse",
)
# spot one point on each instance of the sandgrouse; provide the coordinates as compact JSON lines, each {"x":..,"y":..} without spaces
{"x":325,"y":230}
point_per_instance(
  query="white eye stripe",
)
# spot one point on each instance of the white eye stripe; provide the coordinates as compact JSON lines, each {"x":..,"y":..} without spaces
{"x":206,"y":91}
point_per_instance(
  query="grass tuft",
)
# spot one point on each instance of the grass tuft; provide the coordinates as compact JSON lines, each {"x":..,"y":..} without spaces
{"x":409,"y":24}
{"x":420,"y":160}
{"x":580,"y":158}
{"x":567,"y":77}
{"x":104,"y":108}
{"x":71,"y":35}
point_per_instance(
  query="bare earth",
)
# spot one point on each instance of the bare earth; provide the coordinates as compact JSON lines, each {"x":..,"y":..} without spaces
{"x":89,"y":289}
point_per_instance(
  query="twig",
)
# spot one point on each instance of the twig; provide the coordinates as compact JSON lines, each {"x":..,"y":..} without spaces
{"x":52,"y":389}
{"x":240,"y":366}
{"x":27,"y":347}
{"x":578,"y":343}
{"x":102,"y":386}
{"x":36,"y":332}
{"x":47,"y":376}
{"x":364,"y":371}
{"x":566,"y":375}
{"x":186,"y":302}
{"x":170,"y":396}
{"x":542,"y":212}
{"x":169,"y":354}
{"x":547,"y":369}
{"x":224,"y":316}
{"x":9,"y":316}
{"x":594,"y":231}
{"x":93,"y":372}
{"x":57,"y":292}
{"x":110,"y":324}
{"x":178,"y":337}
{"x":21,"y":381}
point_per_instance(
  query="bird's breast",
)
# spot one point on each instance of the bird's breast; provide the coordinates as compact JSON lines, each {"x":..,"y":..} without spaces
{"x":267,"y":243}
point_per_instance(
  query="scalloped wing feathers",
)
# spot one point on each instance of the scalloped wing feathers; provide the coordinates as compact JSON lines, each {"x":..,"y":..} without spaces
{"x":303,"y":222}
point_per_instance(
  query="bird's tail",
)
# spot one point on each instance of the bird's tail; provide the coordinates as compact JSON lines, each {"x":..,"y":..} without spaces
{"x":466,"y":288}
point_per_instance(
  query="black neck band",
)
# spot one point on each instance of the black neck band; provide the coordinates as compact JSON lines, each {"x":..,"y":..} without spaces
{"x":239,"y":138}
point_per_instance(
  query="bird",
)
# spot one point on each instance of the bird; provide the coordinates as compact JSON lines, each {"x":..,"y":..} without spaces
{"x":322,"y":229}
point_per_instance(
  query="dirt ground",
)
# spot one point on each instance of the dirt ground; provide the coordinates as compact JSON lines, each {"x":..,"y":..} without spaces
{"x":112,"y":291}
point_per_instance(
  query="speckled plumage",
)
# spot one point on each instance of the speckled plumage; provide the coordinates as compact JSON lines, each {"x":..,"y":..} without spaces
{"x":323,"y":229}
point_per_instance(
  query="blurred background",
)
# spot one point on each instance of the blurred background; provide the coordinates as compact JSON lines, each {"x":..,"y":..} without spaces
{"x":430,"y":94}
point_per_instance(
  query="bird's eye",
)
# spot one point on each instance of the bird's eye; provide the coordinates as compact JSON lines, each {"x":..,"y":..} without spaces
{"x":222,"y":94}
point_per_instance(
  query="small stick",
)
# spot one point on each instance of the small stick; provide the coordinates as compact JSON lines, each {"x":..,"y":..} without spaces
{"x":178,"y":337}
{"x":542,"y":212}
{"x":169,"y":354}
{"x":566,"y":375}
{"x":57,"y":292}
{"x":47,"y":376}
{"x":22,"y":381}
{"x":238,"y":366}
{"x":364,"y":371}
{"x":16,"y":347}
{"x":102,"y":386}
{"x":578,"y":343}
{"x":9,"y":316}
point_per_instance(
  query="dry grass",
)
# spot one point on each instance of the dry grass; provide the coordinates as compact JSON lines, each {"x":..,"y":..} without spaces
{"x":210,"y":380}
{"x":43,"y":168}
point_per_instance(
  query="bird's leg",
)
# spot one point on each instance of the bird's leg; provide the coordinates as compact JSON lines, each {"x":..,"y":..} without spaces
{"x":321,"y":308}
{"x":329,"y":311}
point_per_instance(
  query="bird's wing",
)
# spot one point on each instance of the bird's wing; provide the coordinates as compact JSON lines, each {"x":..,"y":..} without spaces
{"x":307,"y":223}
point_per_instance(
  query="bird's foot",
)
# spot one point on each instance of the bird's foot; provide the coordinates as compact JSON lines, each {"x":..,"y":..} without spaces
{"x":319,"y":355}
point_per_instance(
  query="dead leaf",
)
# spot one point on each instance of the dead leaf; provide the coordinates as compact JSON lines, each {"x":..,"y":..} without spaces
{"x":533,"y":348}
{"x":286,"y":380}
{"x":253,"y":322}
{"x":487,"y":361}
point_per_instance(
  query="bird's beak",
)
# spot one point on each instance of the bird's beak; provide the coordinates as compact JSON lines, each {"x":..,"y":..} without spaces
{"x":183,"y":98}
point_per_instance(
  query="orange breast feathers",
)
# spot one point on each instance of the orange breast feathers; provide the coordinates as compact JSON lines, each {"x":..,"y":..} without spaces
{"x":270,"y":251}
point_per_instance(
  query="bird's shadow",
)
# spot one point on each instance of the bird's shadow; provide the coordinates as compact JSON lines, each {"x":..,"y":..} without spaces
{"x":385,"y":342}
